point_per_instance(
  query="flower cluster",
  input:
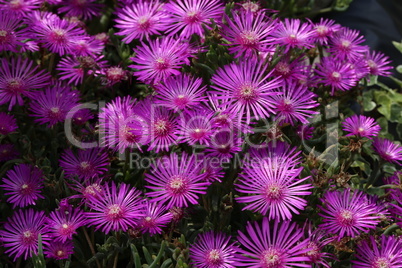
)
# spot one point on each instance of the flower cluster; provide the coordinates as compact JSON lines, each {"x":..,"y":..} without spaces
{"x":196,"y":125}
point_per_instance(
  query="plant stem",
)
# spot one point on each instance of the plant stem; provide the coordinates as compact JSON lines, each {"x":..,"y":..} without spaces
{"x":91,"y":246}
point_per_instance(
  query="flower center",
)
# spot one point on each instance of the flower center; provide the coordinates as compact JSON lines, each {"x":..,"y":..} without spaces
{"x":144,"y":23}
{"x":273,"y":192}
{"x":336,"y":76}
{"x":214,"y":257}
{"x":282,"y":68}
{"x":25,"y":189}
{"x":161,"y":127}
{"x":15,"y":85}
{"x":247,"y":92}
{"x":161,"y":64}
{"x":114,"y":212}
{"x":248,"y":39}
{"x":28,"y":237}
{"x":346,"y":217}
{"x":58,"y":36}
{"x":4,"y":36}
{"x":345,"y":43}
{"x":315,"y":253}
{"x":181,"y":101}
{"x":115,"y":73}
{"x":15,"y":4}
{"x":271,"y":258}
{"x":177,"y":185}
{"x":93,"y":189}
{"x":192,"y":17}
{"x":321,"y":30}
{"x":381,"y":262}
{"x":198,"y":133}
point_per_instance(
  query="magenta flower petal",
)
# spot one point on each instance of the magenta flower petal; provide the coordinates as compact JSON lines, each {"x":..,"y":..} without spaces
{"x":361,"y":126}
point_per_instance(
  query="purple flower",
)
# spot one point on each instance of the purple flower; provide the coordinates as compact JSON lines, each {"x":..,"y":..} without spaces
{"x":291,"y":70}
{"x":52,"y":105}
{"x":223,"y":144}
{"x":114,"y":75}
{"x":57,"y":35}
{"x":316,"y":244}
{"x":8,"y":123}
{"x":176,"y":181}
{"x":347,"y":214}
{"x":336,"y":74}
{"x":122,"y":128}
{"x":361,"y":126}
{"x":10,"y":34}
{"x":21,"y":8}
{"x":272,"y":245}
{"x":305,"y":132}
{"x":81,"y":9}
{"x":248,"y":33}
{"x":59,"y":250}
{"x":63,"y":224}
{"x":387,"y":252}
{"x":21,"y":233}
{"x":294,"y":104}
{"x":82,"y":116}
{"x":8,"y":152}
{"x":214,"y":250}
{"x":85,"y":164}
{"x":189,"y":16}
{"x":345,"y":45}
{"x":324,"y":30}
{"x":292,"y":33}
{"x":88,"y":46}
{"x":378,"y":63}
{"x":23,"y":185}
{"x":155,"y":218}
{"x":387,"y":150}
{"x":142,"y":19}
{"x":162,"y":125}
{"x":246,"y":89}
{"x":74,"y":69}
{"x":160,"y":59}
{"x":118,"y":209}
{"x":196,"y":127}
{"x":274,"y":188}
{"x":18,"y":79}
{"x":181,"y":92}
{"x":279,"y":150}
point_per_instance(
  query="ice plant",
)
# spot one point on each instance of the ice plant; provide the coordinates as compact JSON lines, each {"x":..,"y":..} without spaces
{"x":84,"y":164}
{"x":11,"y":36}
{"x":273,"y":189}
{"x":347,"y":214}
{"x":63,"y":223}
{"x":158,"y":60}
{"x":18,"y":77}
{"x":119,"y":208}
{"x":388,"y":150}
{"x":246,"y":89}
{"x":187,"y":17}
{"x":345,"y":45}
{"x":378,"y":63}
{"x":324,"y":30}
{"x":361,"y":126}
{"x":161,"y":125}
{"x":293,"y":33}
{"x":52,"y":105}
{"x":214,"y":250}
{"x":272,"y":244}
{"x":248,"y":33}
{"x":20,"y":8}
{"x":386,"y":252}
{"x":85,"y":9}
{"x":224,"y":144}
{"x":121,"y":127}
{"x":176,"y":181}
{"x":8,"y":152}
{"x":57,"y":35}
{"x":295,"y":104}
{"x":180,"y":93}
{"x":336,"y":74}
{"x":59,"y":250}
{"x":21,"y":232}
{"x":140,"y":20}
{"x":8,"y":123}
{"x":23,"y":185}
{"x":196,"y":127}
{"x":155,"y":218}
